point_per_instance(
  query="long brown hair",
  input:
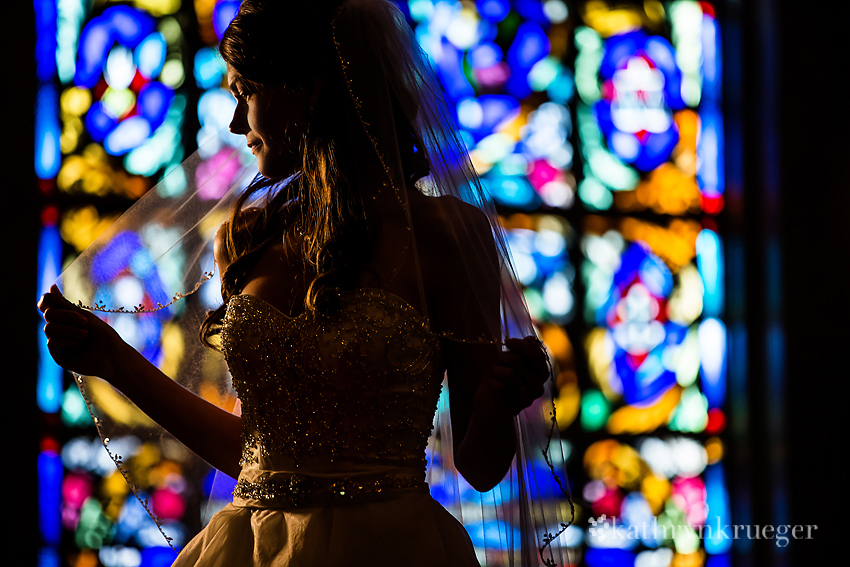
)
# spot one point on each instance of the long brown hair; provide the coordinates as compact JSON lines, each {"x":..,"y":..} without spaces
{"x":323,"y":202}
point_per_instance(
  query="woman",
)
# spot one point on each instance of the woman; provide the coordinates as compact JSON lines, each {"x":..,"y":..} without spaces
{"x":347,"y":295}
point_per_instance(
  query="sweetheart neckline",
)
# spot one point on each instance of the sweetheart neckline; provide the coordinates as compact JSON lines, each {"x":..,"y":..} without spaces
{"x":398,"y":300}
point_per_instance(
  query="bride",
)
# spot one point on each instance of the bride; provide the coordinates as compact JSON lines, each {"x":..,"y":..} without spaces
{"x":348,"y":295}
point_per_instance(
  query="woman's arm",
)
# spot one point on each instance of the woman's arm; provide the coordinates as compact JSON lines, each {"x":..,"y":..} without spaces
{"x":81,"y":342}
{"x":484,"y":441}
{"x":488,"y":387}
{"x":210,"y":432}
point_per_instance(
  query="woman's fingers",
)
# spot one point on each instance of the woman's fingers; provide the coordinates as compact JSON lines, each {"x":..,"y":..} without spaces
{"x":508,"y":379}
{"x":532,"y":351}
{"x":56,"y":344}
{"x":520,"y":375}
{"x":64,"y":331}
{"x":65,"y":316}
{"x":521,"y":372}
{"x":65,"y":323}
{"x":54,"y":298}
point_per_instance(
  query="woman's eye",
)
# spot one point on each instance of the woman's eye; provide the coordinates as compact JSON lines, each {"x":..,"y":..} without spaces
{"x":240,"y":94}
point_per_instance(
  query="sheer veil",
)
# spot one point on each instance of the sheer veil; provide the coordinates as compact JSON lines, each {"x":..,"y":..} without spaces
{"x":147,"y":276}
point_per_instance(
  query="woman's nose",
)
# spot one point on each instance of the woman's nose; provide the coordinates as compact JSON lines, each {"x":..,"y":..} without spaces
{"x":239,"y":123}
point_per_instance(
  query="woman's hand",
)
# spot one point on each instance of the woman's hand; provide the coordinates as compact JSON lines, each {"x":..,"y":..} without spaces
{"x":515,"y":380}
{"x":79,"y":340}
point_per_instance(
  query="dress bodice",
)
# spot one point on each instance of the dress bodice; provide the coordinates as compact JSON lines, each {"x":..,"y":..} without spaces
{"x":347,"y":396}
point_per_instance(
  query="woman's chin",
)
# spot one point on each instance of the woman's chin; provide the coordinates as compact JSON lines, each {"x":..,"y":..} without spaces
{"x":275,"y":168}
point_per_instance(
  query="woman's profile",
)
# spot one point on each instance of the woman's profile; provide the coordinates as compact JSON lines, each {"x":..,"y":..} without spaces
{"x":349,"y":292}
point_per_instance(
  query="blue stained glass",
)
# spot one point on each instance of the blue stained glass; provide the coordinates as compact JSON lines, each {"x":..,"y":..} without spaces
{"x":440,"y":494}
{"x":644,"y":382}
{"x":493,"y":10}
{"x":485,"y":55}
{"x":49,"y":382}
{"x":492,"y":534}
{"x":450,"y":71}
{"x":496,"y":108}
{"x":156,"y":293}
{"x":49,"y":257}
{"x":512,"y":191}
{"x":223,"y":13}
{"x":99,"y":121}
{"x":717,"y":504}
{"x":548,"y":265}
{"x":618,"y":49}
{"x":530,"y":45}
{"x":157,"y":557}
{"x":710,"y":149}
{"x":150,"y":55}
{"x":142,"y":264}
{"x":132,"y":518}
{"x":637,"y":261}
{"x":209,"y":70}
{"x":487,"y":31}
{"x":48,"y":392}
{"x":153,"y":102}
{"x":722,"y":560}
{"x":641,"y":88}
{"x":710,"y":265}
{"x":114,"y":257}
{"x":600,"y":557}
{"x":48,"y":557}
{"x":129,"y":25}
{"x":148,"y":338}
{"x":656,"y":276}
{"x":544,"y":482}
{"x":651,"y":149}
{"x":632,"y":312}
{"x":218,"y":485}
{"x":215,"y":108}
{"x":712,"y":342}
{"x":663,"y":56}
{"x":48,"y":155}
{"x":50,"y":497}
{"x":95,"y":41}
{"x":532,"y":10}
{"x":561,"y":89}
{"x":711,"y":66}
{"x":128,"y":134}
{"x":45,"y":43}
{"x":480,"y":116}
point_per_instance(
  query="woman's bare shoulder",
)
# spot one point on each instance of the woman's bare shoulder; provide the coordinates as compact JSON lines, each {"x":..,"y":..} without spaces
{"x":446,"y":216}
{"x":450,"y":234}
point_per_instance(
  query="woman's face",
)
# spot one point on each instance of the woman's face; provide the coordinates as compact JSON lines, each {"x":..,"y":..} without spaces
{"x":273,"y":122}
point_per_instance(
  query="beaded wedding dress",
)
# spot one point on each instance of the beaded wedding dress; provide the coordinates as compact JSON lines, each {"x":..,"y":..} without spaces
{"x":337,"y":409}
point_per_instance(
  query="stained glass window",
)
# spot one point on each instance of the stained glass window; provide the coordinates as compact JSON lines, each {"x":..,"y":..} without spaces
{"x":598,"y":132}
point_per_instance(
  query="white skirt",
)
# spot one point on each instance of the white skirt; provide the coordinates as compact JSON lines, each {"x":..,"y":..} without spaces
{"x":412,"y":530}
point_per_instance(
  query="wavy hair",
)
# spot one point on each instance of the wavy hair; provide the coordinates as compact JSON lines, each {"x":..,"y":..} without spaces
{"x":324,"y":201}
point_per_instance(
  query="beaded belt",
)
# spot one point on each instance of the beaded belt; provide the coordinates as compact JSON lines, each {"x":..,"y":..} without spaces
{"x":304,"y":491}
